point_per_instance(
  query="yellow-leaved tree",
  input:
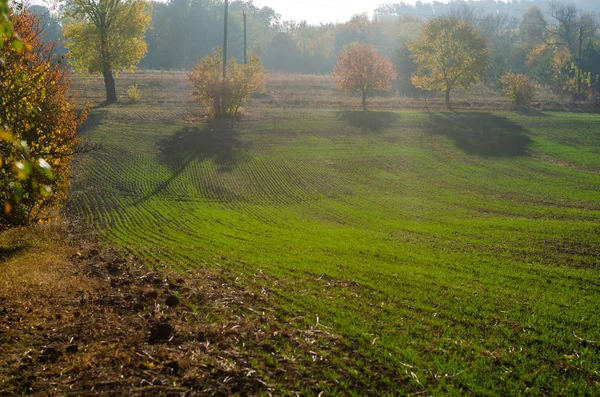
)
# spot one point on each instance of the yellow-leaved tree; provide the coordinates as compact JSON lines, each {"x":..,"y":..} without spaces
{"x":106,"y":36}
{"x":450,"y":54}
{"x":224,"y":98}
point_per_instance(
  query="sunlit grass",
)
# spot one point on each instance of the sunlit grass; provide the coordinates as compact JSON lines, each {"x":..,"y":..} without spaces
{"x":453,"y":252}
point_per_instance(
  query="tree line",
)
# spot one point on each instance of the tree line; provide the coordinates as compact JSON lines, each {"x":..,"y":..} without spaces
{"x":522,"y":36}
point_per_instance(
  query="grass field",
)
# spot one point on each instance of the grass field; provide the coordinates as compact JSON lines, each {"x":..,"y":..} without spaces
{"x":454,"y":253}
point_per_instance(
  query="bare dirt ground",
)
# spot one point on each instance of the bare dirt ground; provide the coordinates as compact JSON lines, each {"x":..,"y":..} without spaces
{"x":83,"y":320}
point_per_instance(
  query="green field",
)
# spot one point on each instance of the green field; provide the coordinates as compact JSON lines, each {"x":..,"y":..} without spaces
{"x":452,"y":252}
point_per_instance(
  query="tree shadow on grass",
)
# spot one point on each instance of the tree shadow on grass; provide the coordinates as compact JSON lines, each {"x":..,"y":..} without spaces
{"x":368,"y":121}
{"x":93,"y":120}
{"x":216,"y":140}
{"x":481,"y":133}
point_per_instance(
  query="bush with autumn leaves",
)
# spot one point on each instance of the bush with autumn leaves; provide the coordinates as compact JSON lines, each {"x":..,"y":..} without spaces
{"x":37,"y":122}
{"x":225,"y":97}
{"x":519,"y":88}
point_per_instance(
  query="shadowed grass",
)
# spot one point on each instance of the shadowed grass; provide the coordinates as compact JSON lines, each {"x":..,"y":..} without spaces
{"x":481,"y":133}
{"x":368,"y":121}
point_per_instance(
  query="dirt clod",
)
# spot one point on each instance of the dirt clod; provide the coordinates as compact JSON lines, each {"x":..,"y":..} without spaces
{"x":49,"y":355}
{"x":160,"y":333}
{"x":172,"y":301}
{"x":151,"y":294}
{"x":172,"y":367}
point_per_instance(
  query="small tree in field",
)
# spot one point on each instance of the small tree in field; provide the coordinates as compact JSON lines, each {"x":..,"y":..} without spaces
{"x":361,"y":68}
{"x":225,"y":98}
{"x":449,"y":54}
{"x":519,"y":88}
{"x":37,"y":125}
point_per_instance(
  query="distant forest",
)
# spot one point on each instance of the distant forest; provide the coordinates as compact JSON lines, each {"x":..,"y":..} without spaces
{"x":183,"y":31}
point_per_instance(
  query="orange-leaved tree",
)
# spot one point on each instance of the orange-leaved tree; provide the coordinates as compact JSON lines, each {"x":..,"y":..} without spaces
{"x":38,"y":122}
{"x":449,"y":54}
{"x":362,"y":68}
{"x":224,"y":98}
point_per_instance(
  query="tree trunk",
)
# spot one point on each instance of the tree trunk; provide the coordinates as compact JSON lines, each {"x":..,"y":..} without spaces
{"x":364,"y":100}
{"x":109,"y":84}
{"x":448,"y":98}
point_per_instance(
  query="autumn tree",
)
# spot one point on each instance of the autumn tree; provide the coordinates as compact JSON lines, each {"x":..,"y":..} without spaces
{"x":38,"y":125}
{"x":106,"y":36}
{"x":361,"y":68}
{"x":450,"y":54}
{"x":224,"y":98}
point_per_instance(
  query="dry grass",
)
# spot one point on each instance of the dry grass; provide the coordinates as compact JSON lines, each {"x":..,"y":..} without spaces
{"x":36,"y":263}
{"x":313,"y":91}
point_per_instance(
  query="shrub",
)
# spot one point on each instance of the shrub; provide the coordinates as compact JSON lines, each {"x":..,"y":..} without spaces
{"x":38,"y":126}
{"x":225,"y":98}
{"x":134,"y":93}
{"x":519,"y":88}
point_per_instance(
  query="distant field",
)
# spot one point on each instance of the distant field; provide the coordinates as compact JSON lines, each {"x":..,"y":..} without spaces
{"x":453,"y":252}
{"x":309,"y":91}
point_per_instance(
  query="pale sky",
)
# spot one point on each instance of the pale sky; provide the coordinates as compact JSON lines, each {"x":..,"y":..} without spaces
{"x":316,"y":11}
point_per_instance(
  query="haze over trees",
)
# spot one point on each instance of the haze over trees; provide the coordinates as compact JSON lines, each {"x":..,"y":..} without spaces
{"x":106,"y":36}
{"x":523,"y":37}
{"x":449,"y":55}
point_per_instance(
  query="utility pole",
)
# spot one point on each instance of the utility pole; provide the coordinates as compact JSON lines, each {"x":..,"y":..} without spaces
{"x":579,"y":61}
{"x":225,"y":42}
{"x":245,"y":42}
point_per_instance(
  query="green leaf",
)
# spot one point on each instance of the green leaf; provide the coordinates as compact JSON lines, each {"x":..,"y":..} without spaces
{"x":22,"y":169}
{"x":17,"y":191}
{"x":45,"y":191}
{"x":17,"y":45}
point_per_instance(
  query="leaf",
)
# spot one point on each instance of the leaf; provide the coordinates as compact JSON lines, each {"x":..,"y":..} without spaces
{"x":43,"y":166}
{"x":22,"y":169}
{"x":5,"y":135}
{"x":17,"y":45}
{"x":45,"y":191}
{"x":17,"y":191}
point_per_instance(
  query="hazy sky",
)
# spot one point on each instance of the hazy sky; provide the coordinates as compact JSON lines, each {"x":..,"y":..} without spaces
{"x":315,"y":11}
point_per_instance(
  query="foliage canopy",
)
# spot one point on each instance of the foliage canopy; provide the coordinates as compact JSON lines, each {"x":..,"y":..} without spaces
{"x":519,"y":88}
{"x":225,"y":97}
{"x":450,"y":54}
{"x":362,"y":68}
{"x":106,"y":36}
{"x":39,"y":125}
